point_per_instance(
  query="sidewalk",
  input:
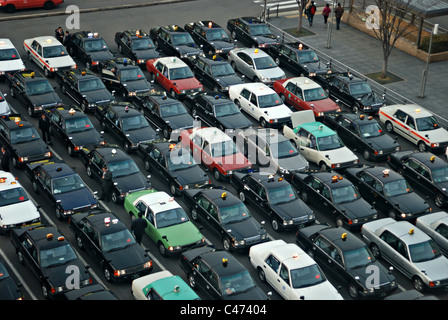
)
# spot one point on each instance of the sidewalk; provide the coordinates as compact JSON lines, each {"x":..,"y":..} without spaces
{"x":364,"y":54}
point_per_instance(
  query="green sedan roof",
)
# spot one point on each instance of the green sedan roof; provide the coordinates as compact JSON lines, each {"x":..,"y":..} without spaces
{"x":172,"y":288}
{"x":318,"y":129}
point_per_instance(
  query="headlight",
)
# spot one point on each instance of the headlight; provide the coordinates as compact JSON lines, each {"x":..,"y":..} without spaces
{"x":131,"y":93}
{"x":23,"y":159}
{"x":47,"y":155}
{"x":141,"y":61}
{"x":398,"y":148}
{"x":311,"y":216}
{"x":312,"y":74}
{"x":287,"y":222}
{"x":147,"y":265}
{"x":119,"y":273}
{"x":218,"y":50}
{"x":92,"y":105}
{"x":435,"y":145}
{"x":78,"y":148}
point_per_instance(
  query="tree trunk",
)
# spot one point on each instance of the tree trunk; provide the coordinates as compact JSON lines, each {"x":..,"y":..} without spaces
{"x":384,"y":69}
{"x":299,"y":22}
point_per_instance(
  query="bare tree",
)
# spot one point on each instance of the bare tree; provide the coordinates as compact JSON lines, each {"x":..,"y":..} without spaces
{"x":301,"y":8}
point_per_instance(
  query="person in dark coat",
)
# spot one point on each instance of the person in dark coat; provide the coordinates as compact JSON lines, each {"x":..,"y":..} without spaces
{"x":59,"y":34}
{"x":6,"y":157}
{"x":106,"y":185}
{"x":338,"y":12}
{"x":138,"y":227}
{"x":67,"y":39}
{"x":44,"y":126}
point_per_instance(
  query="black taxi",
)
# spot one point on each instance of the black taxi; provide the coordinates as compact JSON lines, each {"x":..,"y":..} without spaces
{"x":136,"y":45}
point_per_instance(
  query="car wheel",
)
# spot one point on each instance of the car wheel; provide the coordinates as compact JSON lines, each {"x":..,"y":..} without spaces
{"x":35,"y":189}
{"x":84,"y":107}
{"x":173,"y":190}
{"x":70,"y":151}
{"x":30,"y":111}
{"x":366,"y":155}
{"x":418,"y":284}
{"x":389,"y":127}
{"x":10,"y":8}
{"x":166,"y":133}
{"x":421,"y":146}
{"x":194,"y":215}
{"x":172,"y":93}
{"x":439,"y":201}
{"x":15,"y":162}
{"x":355,"y":109}
{"x":79,"y":242}
{"x":263,"y":123}
{"x":63,"y":89}
{"x":126,"y":147}
{"x":216,"y":174}
{"x":275,"y":225}
{"x":162,"y":249}
{"x":305,"y":197}
{"x":44,"y":289}
{"x":107,"y":274}
{"x":375,"y":250}
{"x":89,"y":172}
{"x":233,"y":34}
{"x":282,"y":96}
{"x":233,"y":65}
{"x":11,"y":92}
{"x":261,"y":275}
{"x":277,"y":61}
{"x":120,"y":49}
{"x":226,"y":243}
{"x":352,"y":291}
{"x":48,"y":5}
{"x":30,"y":59}
{"x":147,"y":165}
{"x":323,"y":166}
{"x":46,"y":72}
{"x":20,"y":257}
{"x":339,"y":222}
{"x":238,"y":104}
{"x":103,"y":126}
{"x":191,"y":280}
{"x":391,"y":214}
{"x":242,"y":196}
{"x":194,"y":113}
{"x":115,"y":197}
{"x":256,"y":79}
{"x":58,"y":214}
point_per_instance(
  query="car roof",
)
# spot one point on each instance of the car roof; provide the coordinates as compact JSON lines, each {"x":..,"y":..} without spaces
{"x":383,"y":174}
{"x":358,"y":118}
{"x":221,"y":197}
{"x":211,"y":134}
{"x":172,"y":62}
{"x":6,"y":44}
{"x":106,"y":153}
{"x":347,"y":77}
{"x":407,"y":232}
{"x":8,"y":181}
{"x":335,"y":235}
{"x":11,"y":124}
{"x":252,"y":52}
{"x":413,"y":110}
{"x":269,"y":181}
{"x":41,"y":235}
{"x":258,"y":88}
{"x":429,"y":159}
{"x":159,"y":201}
{"x":47,"y":41}
{"x":303,"y":82}
{"x":65,"y":113}
{"x":205,"y":24}
{"x":57,"y":169}
{"x":317,"y":128}
{"x":332,"y":179}
{"x":120,"y":109}
{"x":215,"y":99}
{"x":251,"y":20}
{"x":292,"y":255}
{"x":268,"y":134}
{"x":215,"y":260}
{"x":113,"y":224}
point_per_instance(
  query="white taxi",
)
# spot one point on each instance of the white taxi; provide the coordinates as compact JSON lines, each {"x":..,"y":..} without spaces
{"x":48,"y":54}
{"x":16,"y":208}
{"x":416,"y":124}
{"x":291,"y":272}
{"x":262,"y":103}
{"x":318,"y":143}
{"x":10,"y":60}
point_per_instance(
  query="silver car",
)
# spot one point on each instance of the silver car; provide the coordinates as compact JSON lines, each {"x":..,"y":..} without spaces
{"x":5,"y":107}
{"x":409,"y":250}
{"x":436,"y":226}
{"x":255,"y":64}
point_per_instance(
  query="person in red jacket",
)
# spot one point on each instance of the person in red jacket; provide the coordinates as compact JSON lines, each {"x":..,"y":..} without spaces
{"x":326,"y":12}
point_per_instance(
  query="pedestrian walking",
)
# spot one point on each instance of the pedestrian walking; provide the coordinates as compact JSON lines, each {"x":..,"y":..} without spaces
{"x":338,"y":12}
{"x":311,"y":12}
{"x":59,"y":34}
{"x":44,"y":126}
{"x":6,"y":157}
{"x":106,"y":184}
{"x":138,"y":227}
{"x":326,"y":12}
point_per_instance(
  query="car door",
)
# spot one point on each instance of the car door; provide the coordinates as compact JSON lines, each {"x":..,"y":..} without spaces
{"x":37,"y":56}
{"x":19,"y":88}
{"x":410,"y":128}
{"x":348,"y":132}
{"x":400,"y":127}
{"x":71,"y":86}
{"x":330,"y":256}
{"x":96,"y":163}
{"x":418,"y":174}
{"x":205,"y":276}
{"x":394,"y":250}
{"x":31,"y":256}
{"x":244,"y":100}
{"x":109,"y":76}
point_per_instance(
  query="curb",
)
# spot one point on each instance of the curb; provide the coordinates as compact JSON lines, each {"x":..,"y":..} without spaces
{"x":90,"y":10}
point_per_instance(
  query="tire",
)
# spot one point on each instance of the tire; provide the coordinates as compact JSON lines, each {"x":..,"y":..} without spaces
{"x":261,"y":275}
{"x":162,"y":249}
{"x":89,"y":172}
{"x":277,"y":61}
{"x":10,"y":8}
{"x":323,"y":166}
{"x":375,"y":250}
{"x":35,"y":189}
{"x":29,"y":57}
{"x":339,"y":222}
{"x":282,"y":96}
{"x":147,"y":165}
{"x":120,"y":49}
{"x":194,"y":113}
{"x":275,"y":225}
{"x":15,"y":163}
{"x":217,"y":175}
{"x":191,"y":280}
{"x":226,"y":244}
{"x":173,"y":190}
{"x":305,"y":197}
{"x":30,"y":111}
{"x":391,"y":214}
{"x":70,"y":151}
{"x":48,"y":5}
{"x":263,"y":123}
{"x":233,"y":34}
{"x":256,"y":79}
{"x":389,"y":127}
{"x":20,"y":257}
{"x":46,"y":72}
{"x":418,"y":284}
{"x":238,"y":104}
{"x":173,"y":94}
{"x":366,"y":155}
{"x":79,"y":242}
{"x":166,"y":133}
{"x":439,"y":201}
{"x":233,"y":65}
{"x":63,"y":89}
{"x":242,"y":196}
{"x":44,"y":289}
{"x":11,"y":92}
{"x":421,"y":146}
{"x":115,"y":197}
{"x":352,"y":291}
{"x":194,"y":215}
{"x":58,"y":214}
{"x":107,"y":274}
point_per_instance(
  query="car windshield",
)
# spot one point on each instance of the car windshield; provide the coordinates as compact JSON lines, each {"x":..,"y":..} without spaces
{"x":182,"y":39}
{"x":440,"y":174}
{"x":307,"y":56}
{"x":3,"y":272}
{"x":131,"y":74}
{"x":396,"y":188}
{"x":55,"y":51}
{"x":222,"y":149}
{"x":370,"y":129}
{"x":57,"y":256}
{"x":222,"y":69}
{"x":360,"y":88}
{"x":424,"y":251}
{"x":307,"y":276}
{"x":173,"y":109}
{"x":264,"y":63}
{"x":24,"y":135}
{"x":180,"y":73}
{"x":427,"y":123}
{"x":96,"y":45}
{"x":356,"y":258}
{"x":67,"y":184}
{"x":281,"y":194}
{"x":78,"y":125}
{"x":315,"y":94}
{"x":12,"y":196}
{"x":269,"y":100}
{"x":142,"y":44}
{"x":171,"y":217}
{"x":179,"y":161}
{"x":234,"y":213}
{"x":227,"y":109}
{"x":123,"y":168}
{"x":236,"y":283}
{"x":134,"y":122}
{"x":38,"y":87}
{"x":259,"y":30}
{"x":9,"y":54}
{"x":329,"y":143}
{"x":217,"y":35}
{"x":91,"y":85}
{"x":117,"y":240}
{"x":345,"y":194}
{"x":283,"y":149}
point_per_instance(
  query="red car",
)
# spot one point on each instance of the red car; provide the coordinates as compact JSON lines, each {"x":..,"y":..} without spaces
{"x":10,"y":6}
{"x":215,"y":150}
{"x":174,"y":75}
{"x":303,"y":93}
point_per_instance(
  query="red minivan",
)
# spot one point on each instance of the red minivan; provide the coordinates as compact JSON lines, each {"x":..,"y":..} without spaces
{"x":10,"y":6}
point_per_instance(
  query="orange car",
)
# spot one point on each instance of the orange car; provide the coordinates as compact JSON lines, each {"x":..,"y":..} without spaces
{"x":10,"y":6}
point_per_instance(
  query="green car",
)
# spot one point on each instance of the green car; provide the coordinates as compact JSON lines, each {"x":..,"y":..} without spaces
{"x":162,"y":285}
{"x":168,"y":223}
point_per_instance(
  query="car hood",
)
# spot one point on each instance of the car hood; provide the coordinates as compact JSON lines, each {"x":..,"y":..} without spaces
{"x":5,"y":108}
{"x":31,"y":149}
{"x":190,"y":175}
{"x":76,"y":199}
{"x":373,"y":100}
{"x":146,"y":54}
{"x":410,"y":202}
{"x":277,"y":112}
{"x":292,"y":209}
{"x":315,"y":67}
{"x":435,"y":269}
{"x":189,"y":50}
{"x":266,"y":38}
{"x":255,"y":293}
{"x":297,"y":162}
{"x":229,"y":80}
{"x":235,"y":121}
{"x":365,"y":277}
{"x":181,"y":234}
{"x":49,"y":99}
{"x":233,"y":162}
{"x":134,"y":181}
{"x":60,"y":62}
{"x":18,"y":213}
{"x":272,"y":73}
{"x":143,"y":134}
{"x":57,"y":275}
{"x":222,"y":45}
{"x":187,"y":84}
{"x":382,"y":142}
{"x":321,"y":291}
{"x":339,"y":155}
{"x":359,"y":208}
{"x":138,"y":85}
{"x":323,"y":105}
{"x":85,"y":138}
{"x":180,"y":121}
{"x":11,"y":65}
{"x":439,"y":135}
{"x":98,"y":96}
{"x":244,"y":229}
{"x":128,"y":257}
{"x":100,"y":55}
